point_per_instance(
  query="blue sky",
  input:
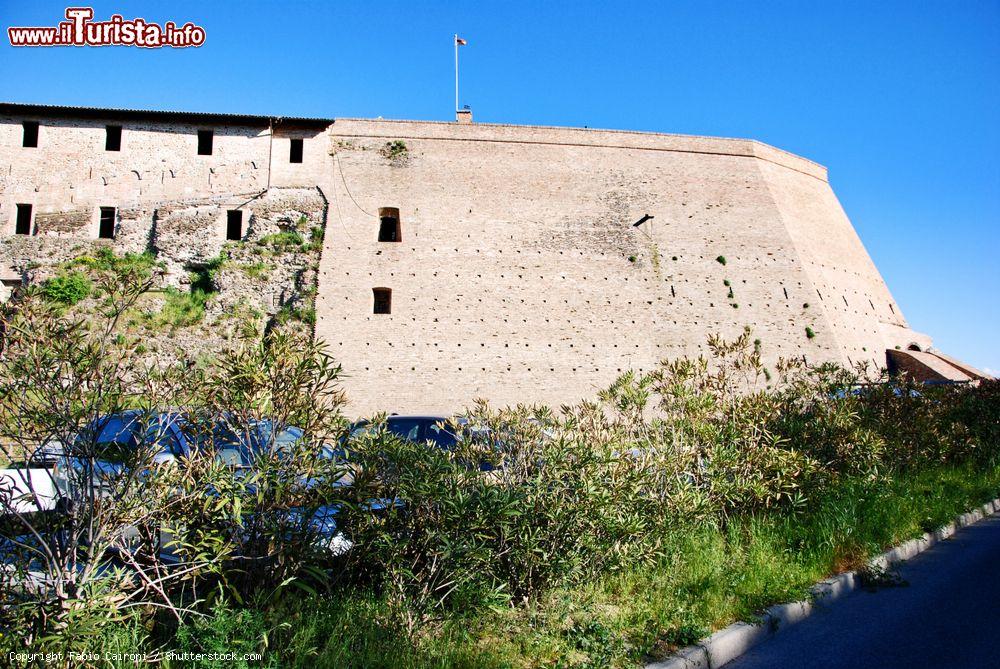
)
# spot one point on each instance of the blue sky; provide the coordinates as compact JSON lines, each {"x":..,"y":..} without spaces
{"x":901,"y":100}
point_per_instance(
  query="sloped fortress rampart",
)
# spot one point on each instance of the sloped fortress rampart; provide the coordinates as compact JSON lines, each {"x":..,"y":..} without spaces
{"x":511,"y":260}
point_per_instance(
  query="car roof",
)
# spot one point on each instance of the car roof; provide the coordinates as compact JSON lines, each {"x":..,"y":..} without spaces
{"x":416,"y":417}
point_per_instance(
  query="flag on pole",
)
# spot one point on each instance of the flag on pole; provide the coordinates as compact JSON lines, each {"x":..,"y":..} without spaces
{"x":459,"y":41}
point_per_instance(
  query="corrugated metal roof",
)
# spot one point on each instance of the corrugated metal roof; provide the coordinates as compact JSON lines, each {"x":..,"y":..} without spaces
{"x":19,"y":109}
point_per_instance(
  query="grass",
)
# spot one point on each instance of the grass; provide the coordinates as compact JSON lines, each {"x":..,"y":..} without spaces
{"x":182,"y":309}
{"x":708,"y":576}
{"x":283,"y":241}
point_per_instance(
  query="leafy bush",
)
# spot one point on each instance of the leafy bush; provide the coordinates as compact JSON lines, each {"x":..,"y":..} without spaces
{"x":67,"y":289}
{"x":721,"y":260}
{"x":525,"y":502}
{"x":395,"y":150}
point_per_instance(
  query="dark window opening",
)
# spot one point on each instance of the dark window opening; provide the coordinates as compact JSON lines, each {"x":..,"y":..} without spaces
{"x":295,"y":151}
{"x":113,"y":138}
{"x":389,"y":229}
{"x":913,"y":347}
{"x":30,"y":138}
{"x":383,"y":300}
{"x":23,"y":226}
{"x":107,"y":226}
{"x":205,"y":142}
{"x":234,"y":225}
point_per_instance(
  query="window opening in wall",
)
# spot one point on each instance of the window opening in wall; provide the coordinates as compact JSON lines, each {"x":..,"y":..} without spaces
{"x":205,"y":138}
{"x":295,"y":151}
{"x":234,"y":225}
{"x":383,"y":300}
{"x":106,"y":229}
{"x":113,"y":138}
{"x":389,"y":229}
{"x":30,"y":138}
{"x":23,"y":222}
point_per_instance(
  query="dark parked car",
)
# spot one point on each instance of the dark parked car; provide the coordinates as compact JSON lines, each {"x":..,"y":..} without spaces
{"x":107,"y":441}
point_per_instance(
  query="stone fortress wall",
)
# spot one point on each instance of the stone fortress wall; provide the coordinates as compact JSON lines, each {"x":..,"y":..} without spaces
{"x":519,"y":275}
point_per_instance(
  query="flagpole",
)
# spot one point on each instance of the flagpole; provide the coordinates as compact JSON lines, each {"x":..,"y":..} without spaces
{"x":456,"y":73}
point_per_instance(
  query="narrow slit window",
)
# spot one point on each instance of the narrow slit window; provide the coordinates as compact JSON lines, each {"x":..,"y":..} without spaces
{"x":205,"y":138}
{"x":106,"y":229}
{"x":295,"y":151}
{"x":23,"y":222}
{"x":383,"y":300}
{"x":389,"y":229}
{"x":30,"y":138}
{"x":113,"y":138}
{"x":234,"y":225}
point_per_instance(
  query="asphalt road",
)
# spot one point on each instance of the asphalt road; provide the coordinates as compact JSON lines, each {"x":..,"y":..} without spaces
{"x":947,"y":616}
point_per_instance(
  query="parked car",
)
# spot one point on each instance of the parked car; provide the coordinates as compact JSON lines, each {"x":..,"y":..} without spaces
{"x":89,"y":467}
{"x":417,"y":429}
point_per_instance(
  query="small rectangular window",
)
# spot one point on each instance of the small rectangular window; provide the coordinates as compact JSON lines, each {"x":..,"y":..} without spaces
{"x":23,"y":225}
{"x":205,"y":142}
{"x":113,"y":138}
{"x":295,"y":151}
{"x":389,"y":229}
{"x":383,"y":300}
{"x":30,"y":138}
{"x":106,"y":230}
{"x":234,"y":225}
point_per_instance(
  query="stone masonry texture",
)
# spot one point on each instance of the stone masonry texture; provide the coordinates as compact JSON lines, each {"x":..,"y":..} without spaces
{"x":519,"y":276}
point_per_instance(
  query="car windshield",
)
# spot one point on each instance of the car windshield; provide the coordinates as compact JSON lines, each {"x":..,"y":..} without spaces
{"x":406,"y":428}
{"x":235,"y":450}
{"x":441,"y":435}
{"x":280,"y":441}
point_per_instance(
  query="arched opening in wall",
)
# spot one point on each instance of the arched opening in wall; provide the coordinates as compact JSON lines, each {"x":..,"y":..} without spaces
{"x":389,"y":229}
{"x":914,"y":347}
{"x":382,"y":300}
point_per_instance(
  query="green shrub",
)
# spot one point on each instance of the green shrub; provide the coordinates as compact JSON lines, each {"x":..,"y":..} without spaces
{"x":280,"y":242}
{"x":721,"y":260}
{"x":66,"y":289}
{"x":395,"y":150}
{"x":182,"y":309}
{"x":810,"y":333}
{"x":257,"y":270}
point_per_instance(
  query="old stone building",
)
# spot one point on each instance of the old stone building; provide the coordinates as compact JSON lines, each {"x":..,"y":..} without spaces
{"x":463,"y":260}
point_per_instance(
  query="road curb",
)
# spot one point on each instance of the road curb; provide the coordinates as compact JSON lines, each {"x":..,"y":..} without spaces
{"x":730,"y":642}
